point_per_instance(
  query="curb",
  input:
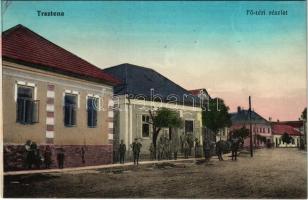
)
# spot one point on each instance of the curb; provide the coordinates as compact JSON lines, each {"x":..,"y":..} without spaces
{"x":108,"y":166}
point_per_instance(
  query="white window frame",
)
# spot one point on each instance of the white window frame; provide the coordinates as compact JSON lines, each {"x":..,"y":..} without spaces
{"x":146,"y":115}
{"x":95,"y":96}
{"x":71,"y":92}
{"x":27,"y":84}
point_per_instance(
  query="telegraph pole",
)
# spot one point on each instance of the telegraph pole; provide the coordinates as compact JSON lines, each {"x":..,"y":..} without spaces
{"x":250,"y":128}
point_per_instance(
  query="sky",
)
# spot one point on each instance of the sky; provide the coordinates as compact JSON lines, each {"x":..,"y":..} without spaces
{"x":212,"y":45}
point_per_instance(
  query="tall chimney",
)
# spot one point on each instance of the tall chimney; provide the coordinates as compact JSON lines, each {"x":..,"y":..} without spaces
{"x":239,"y":109}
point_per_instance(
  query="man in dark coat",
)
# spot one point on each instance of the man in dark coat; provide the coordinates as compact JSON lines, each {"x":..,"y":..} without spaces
{"x":136,"y":147}
{"x":234,"y":147}
{"x":219,"y":150}
{"x":47,"y":157}
{"x":122,"y":150}
{"x":60,"y":158}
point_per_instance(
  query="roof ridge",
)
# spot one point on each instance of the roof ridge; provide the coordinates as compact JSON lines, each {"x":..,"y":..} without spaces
{"x":26,"y":32}
{"x":58,"y":46}
{"x":149,"y":69}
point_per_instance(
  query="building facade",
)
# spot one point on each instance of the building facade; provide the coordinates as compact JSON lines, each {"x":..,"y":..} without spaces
{"x":53,"y":98}
{"x":279,"y":129}
{"x":261,"y":128}
{"x":144,"y":89}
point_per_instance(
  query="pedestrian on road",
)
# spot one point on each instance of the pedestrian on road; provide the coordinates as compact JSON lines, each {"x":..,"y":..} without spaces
{"x":234,"y":147}
{"x":122,"y":150}
{"x":136,"y":146}
{"x":219,"y":150}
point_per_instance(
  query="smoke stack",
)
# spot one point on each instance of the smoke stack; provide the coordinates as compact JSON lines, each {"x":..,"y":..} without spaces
{"x":239,"y":109}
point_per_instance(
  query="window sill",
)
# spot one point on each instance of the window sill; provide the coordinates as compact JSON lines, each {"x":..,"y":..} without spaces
{"x":70,"y":126}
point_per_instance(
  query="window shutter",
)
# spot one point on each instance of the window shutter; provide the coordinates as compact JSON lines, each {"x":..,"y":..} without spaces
{"x":28,"y":111}
{"x":35,"y":111}
{"x":66,"y":115}
{"x":94,"y":117}
{"x":20,"y":110}
{"x":73,"y":115}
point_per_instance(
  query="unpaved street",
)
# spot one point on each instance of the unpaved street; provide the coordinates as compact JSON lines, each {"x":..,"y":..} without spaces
{"x":271,"y":173}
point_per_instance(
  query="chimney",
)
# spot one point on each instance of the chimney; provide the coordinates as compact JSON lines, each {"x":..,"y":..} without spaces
{"x":277,"y":120}
{"x":270,"y":119}
{"x":239,"y":109}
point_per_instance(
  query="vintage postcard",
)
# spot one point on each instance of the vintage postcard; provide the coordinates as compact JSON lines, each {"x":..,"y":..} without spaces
{"x":154,"y":99}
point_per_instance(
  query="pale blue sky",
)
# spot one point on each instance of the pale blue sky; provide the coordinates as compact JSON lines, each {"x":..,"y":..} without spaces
{"x":214,"y":45}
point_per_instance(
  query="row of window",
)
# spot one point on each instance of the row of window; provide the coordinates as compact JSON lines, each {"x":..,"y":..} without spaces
{"x":28,"y":109}
{"x":262,"y":130}
{"x":189,"y":126}
{"x":279,"y":141}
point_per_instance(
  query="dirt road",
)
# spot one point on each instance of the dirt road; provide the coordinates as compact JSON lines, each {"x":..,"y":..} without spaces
{"x":271,"y":173}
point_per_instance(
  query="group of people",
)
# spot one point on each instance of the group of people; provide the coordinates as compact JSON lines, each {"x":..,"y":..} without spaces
{"x":136,"y":148}
{"x":165,"y":149}
{"x":35,"y":158}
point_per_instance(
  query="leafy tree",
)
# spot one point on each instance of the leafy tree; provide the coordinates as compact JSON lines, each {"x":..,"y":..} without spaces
{"x":216,"y":116}
{"x":164,"y":118}
{"x":304,"y":114}
{"x":241,"y":133}
{"x":286,"y":138}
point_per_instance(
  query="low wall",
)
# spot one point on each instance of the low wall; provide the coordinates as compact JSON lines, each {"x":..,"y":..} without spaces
{"x":15,"y":156}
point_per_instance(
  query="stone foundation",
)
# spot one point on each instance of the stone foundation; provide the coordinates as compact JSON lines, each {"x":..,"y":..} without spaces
{"x":14,"y":156}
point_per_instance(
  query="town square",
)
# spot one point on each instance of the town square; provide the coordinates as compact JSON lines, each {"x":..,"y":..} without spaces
{"x":136,"y":100}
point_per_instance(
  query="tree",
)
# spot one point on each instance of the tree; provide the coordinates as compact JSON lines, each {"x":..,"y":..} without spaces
{"x":304,"y":114}
{"x":164,"y":118}
{"x":286,"y":138}
{"x":241,"y":133}
{"x":216,"y":116}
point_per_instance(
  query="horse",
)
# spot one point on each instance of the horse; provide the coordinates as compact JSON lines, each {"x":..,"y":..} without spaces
{"x":235,"y":144}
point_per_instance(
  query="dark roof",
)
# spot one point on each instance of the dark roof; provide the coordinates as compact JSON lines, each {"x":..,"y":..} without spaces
{"x":280,"y":129}
{"x":22,"y":45}
{"x":137,"y":80}
{"x":242,"y":116}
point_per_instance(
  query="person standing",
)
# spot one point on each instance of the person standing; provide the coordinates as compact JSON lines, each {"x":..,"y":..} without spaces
{"x":234,"y":147}
{"x":136,"y":146}
{"x":186,"y":149}
{"x":219,"y":150}
{"x":122,"y":150}
{"x":47,"y":157}
{"x":152,"y":151}
{"x":60,"y":158}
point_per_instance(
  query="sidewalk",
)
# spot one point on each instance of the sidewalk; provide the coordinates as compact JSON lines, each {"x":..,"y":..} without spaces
{"x":108,"y":166}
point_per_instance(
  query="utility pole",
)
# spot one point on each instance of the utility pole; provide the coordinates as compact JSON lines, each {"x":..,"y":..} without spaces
{"x":250,"y":128}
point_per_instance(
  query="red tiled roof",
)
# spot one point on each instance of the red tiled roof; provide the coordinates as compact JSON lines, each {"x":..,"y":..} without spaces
{"x":294,"y":124}
{"x":195,"y":92}
{"x":280,"y":129}
{"x":21,"y":45}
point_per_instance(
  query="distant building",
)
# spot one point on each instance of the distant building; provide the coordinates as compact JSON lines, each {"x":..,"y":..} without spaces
{"x":52,"y":97}
{"x":202,"y":94}
{"x":280,"y":128}
{"x":261,"y":128}
{"x":144,"y":89}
